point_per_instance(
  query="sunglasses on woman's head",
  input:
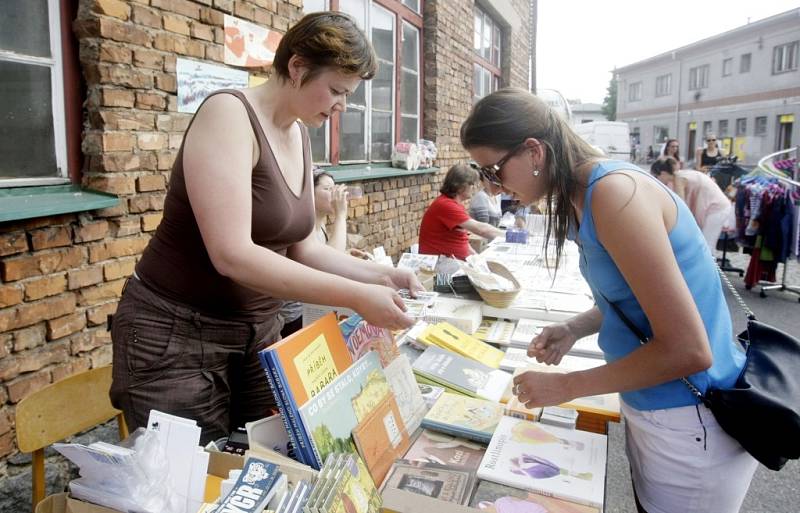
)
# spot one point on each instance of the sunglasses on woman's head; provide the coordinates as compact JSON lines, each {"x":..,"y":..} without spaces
{"x":492,"y":173}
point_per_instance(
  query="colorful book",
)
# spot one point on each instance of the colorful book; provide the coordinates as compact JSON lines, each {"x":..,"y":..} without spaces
{"x":406,"y":391}
{"x":437,"y":481}
{"x":467,"y":417}
{"x":514,"y":408}
{"x":496,"y":498}
{"x":362,"y":336}
{"x":434,"y":447}
{"x":462,"y":374}
{"x":430,"y":394}
{"x":547,"y":460}
{"x":250,"y":493}
{"x":381,"y":438}
{"x":299,"y":367}
{"x":447,"y":336}
{"x":330,"y":416}
{"x":353,"y":490}
{"x":495,"y":331}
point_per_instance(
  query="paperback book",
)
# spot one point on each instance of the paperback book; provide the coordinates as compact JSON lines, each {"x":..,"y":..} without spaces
{"x":515,"y":358}
{"x":381,"y":438}
{"x":362,"y":336}
{"x":464,"y":314}
{"x":449,"y":484}
{"x":410,"y":402}
{"x":447,"y":336}
{"x":495,"y":331}
{"x":548,"y":460}
{"x":298,"y":368}
{"x":442,"y":449}
{"x":465,"y":375}
{"x":467,"y":417}
{"x":430,"y":394}
{"x":496,"y":498}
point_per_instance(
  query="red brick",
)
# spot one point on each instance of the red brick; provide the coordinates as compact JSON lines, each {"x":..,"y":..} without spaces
{"x":151,"y":221}
{"x":29,"y":337}
{"x":65,"y":326}
{"x":114,"y":8}
{"x":98,"y":315}
{"x":149,"y":183}
{"x":38,"y":288}
{"x":116,"y":97}
{"x":89,"y":340}
{"x":7,"y":444}
{"x":46,"y":262}
{"x":184,"y":7}
{"x":80,"y":278}
{"x":28,"y":314}
{"x":92,"y":231}
{"x":52,"y":237}
{"x":104,"y":292}
{"x":145,"y":16}
{"x":110,"y":52}
{"x":117,"y":248}
{"x":14,"y":242}
{"x":150,"y":59}
{"x":25,"y":385}
{"x":125,"y":226}
{"x":115,"y":184}
{"x":10,"y":295}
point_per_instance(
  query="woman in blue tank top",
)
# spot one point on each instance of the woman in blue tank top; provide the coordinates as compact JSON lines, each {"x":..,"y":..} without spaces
{"x":641,"y":249}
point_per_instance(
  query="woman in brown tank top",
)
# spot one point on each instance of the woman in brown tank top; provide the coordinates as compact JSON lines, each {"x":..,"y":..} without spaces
{"x":236,"y":240}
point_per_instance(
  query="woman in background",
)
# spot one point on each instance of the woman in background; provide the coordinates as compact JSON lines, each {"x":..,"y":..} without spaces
{"x":485,"y":208}
{"x":707,"y":157}
{"x":672,"y":149}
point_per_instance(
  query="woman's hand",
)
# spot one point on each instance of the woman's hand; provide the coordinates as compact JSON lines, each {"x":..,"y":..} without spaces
{"x":552,"y":344}
{"x":363,"y":255}
{"x":339,"y":200}
{"x":402,"y":278}
{"x":535,"y":389}
{"x":381,"y":306}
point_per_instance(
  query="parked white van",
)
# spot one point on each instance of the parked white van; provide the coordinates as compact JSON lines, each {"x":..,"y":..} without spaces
{"x":613,"y":137}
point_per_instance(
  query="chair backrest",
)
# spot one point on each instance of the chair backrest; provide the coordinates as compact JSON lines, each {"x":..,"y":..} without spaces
{"x":60,"y":410}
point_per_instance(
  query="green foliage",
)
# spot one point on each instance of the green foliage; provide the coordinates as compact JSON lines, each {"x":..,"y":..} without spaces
{"x":610,"y":101}
{"x":326,"y":443}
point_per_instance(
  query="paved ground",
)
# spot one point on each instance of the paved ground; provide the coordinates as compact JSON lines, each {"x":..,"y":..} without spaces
{"x":770,"y":492}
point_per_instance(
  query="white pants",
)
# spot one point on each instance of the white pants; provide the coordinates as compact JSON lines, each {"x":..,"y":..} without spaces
{"x":683,"y":462}
{"x":712,"y":227}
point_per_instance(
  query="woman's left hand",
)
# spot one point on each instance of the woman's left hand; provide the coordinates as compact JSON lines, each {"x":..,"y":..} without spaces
{"x":402,"y":278}
{"x":339,"y":200}
{"x":535,"y":389}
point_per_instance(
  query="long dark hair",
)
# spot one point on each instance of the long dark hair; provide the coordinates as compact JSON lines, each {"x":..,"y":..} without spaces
{"x":504,"y":119}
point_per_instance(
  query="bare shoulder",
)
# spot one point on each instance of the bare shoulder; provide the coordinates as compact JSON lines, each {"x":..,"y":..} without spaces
{"x":222,"y":113}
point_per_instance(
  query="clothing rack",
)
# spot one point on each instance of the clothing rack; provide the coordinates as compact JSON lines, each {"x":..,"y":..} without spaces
{"x":763,"y":166}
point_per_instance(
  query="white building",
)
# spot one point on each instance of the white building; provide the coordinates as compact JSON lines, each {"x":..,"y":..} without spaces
{"x":587,"y":112}
{"x":742,"y":85}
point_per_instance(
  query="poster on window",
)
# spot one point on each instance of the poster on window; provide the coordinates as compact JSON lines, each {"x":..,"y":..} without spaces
{"x":196,"y":80}
{"x":247,"y":44}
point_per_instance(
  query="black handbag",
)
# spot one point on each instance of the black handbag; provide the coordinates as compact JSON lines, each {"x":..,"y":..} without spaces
{"x":762,"y":410}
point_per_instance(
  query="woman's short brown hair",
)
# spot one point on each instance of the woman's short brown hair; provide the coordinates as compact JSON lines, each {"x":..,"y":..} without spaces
{"x":457,"y":178}
{"x":326,"y":40}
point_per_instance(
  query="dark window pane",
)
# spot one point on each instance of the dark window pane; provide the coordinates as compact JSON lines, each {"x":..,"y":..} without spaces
{"x":383,"y":33}
{"x":317,"y":138}
{"x":382,"y":87}
{"x":24,"y":27}
{"x":351,"y":135}
{"x":412,"y":4}
{"x":381,"y":135}
{"x":359,"y":97}
{"x":408,"y":129}
{"x":27,"y":141}
{"x":410,"y":89}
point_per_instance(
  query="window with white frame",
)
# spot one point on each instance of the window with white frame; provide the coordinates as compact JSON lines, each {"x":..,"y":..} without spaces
{"x":664,"y":85}
{"x":741,"y":126}
{"x":727,"y":66}
{"x":487,"y":42}
{"x":744,"y":63}
{"x":33,"y":142}
{"x":784,"y":57}
{"x":698,"y":77}
{"x":760,"y":126}
{"x":386,"y":109}
{"x":723,"y":128}
{"x":635,"y":92}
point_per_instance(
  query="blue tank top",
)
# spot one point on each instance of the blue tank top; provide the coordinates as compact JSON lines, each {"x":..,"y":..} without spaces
{"x":698,"y":268}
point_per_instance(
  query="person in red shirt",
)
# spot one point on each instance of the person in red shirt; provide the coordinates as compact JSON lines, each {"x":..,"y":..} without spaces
{"x":446,"y":225}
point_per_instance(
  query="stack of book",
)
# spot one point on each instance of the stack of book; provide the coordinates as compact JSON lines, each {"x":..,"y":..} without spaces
{"x":462,"y":416}
{"x":447,"y":336}
{"x":463,"y":375}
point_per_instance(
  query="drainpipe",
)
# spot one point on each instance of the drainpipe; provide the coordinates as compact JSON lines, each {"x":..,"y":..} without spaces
{"x":678,"y":104}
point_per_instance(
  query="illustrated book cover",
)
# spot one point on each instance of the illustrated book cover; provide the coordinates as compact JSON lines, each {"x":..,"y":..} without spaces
{"x":548,"y":460}
{"x":447,"y":336}
{"x":406,"y":392}
{"x":449,"y":484}
{"x":381,"y":438}
{"x":463,"y":374}
{"x":435,"y":447}
{"x":495,"y":331}
{"x":496,"y":498}
{"x":468,"y":417}
{"x":362,"y":336}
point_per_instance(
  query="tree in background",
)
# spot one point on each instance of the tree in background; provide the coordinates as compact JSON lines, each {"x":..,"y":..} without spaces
{"x":610,"y":101}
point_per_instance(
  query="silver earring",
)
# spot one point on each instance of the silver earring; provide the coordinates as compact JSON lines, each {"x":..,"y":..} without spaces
{"x":291,"y":81}
{"x":535,"y":172}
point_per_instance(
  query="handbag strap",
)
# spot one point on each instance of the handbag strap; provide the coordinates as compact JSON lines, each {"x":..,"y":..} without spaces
{"x":735,"y":293}
{"x":643,"y":340}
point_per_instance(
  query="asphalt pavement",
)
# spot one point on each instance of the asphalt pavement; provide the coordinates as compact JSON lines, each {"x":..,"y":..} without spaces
{"x":770,"y":492}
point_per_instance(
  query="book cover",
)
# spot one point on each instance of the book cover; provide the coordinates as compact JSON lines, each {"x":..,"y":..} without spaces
{"x":468,"y":417}
{"x":418,"y":262}
{"x":495,"y":331}
{"x":460,"y":373}
{"x":449,"y":337}
{"x":514,"y":408}
{"x":547,"y":460}
{"x":518,"y":358}
{"x":430,"y":394}
{"x":330,"y":416}
{"x":381,"y":438}
{"x":465,"y":314}
{"x":436,"y":481}
{"x":353,"y":490}
{"x":434,"y":447}
{"x":362,"y":336}
{"x":406,"y":392}
{"x":496,"y":498}
{"x":250,"y":493}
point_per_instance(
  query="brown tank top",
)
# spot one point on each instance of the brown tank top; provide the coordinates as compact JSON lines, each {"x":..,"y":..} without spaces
{"x":175,"y":263}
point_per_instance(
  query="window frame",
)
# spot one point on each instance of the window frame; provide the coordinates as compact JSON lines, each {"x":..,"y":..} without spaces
{"x":661,"y":88}
{"x":698,"y":77}
{"x":58,"y":94}
{"x":723,"y":128}
{"x":760,"y":128}
{"x":786,"y":64}
{"x":332,"y":128}
{"x":741,"y":127}
{"x":635,"y":91}
{"x":745,"y":57}
{"x":727,"y":67}
{"x":495,"y":69}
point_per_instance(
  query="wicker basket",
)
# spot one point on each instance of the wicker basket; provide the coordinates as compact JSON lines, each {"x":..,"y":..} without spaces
{"x":496,"y":298}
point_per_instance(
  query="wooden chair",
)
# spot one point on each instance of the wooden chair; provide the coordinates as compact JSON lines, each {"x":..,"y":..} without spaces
{"x":60,"y":410}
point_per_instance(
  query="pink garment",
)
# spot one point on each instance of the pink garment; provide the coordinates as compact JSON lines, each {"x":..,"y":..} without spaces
{"x":703,"y":195}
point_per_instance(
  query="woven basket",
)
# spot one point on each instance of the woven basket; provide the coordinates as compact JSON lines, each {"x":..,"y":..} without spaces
{"x":496,"y":298}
